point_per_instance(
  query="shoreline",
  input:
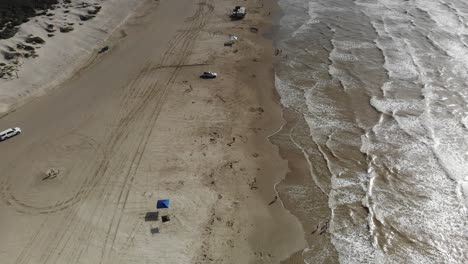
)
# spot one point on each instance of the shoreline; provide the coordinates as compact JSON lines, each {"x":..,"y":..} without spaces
{"x":301,"y":194}
{"x":268,"y":101}
{"x":304,"y":195}
{"x":202,"y":143}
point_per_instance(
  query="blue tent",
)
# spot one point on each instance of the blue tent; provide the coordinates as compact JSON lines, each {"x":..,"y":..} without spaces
{"x":162,"y":204}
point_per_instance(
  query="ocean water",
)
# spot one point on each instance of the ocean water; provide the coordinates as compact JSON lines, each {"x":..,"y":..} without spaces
{"x":383,"y":88}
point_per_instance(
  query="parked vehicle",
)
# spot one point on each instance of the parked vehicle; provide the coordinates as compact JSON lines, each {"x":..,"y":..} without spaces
{"x":11,"y":132}
{"x":209,"y":75}
{"x":238,"y":12}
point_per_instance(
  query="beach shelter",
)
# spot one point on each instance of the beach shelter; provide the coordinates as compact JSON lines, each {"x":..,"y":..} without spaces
{"x":162,"y":204}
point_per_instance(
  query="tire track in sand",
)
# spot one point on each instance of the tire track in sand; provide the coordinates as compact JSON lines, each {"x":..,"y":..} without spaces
{"x":198,"y":21}
{"x":150,"y":94}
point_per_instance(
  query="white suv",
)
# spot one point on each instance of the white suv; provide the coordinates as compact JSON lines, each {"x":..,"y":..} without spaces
{"x":11,"y":132}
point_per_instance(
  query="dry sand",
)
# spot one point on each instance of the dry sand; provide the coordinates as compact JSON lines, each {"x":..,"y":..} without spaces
{"x":136,"y":126}
{"x":63,"y":53}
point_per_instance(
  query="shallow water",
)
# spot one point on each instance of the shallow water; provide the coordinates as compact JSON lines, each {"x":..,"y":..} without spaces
{"x":382,"y":86}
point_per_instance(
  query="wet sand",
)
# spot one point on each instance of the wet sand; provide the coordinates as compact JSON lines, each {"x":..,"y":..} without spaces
{"x":302,"y":192}
{"x":138,"y":125}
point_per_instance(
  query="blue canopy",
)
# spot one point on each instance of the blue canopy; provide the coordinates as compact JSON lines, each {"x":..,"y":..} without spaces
{"x":162,"y":204}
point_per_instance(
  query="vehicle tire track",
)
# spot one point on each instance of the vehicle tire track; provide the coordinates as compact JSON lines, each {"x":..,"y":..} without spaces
{"x":153,"y":89}
{"x":143,"y":93}
{"x":186,"y":43}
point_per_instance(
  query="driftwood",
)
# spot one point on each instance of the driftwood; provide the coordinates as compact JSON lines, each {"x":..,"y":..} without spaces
{"x":188,"y":90}
{"x":51,"y":173}
{"x":220,"y":98}
{"x":274,"y":200}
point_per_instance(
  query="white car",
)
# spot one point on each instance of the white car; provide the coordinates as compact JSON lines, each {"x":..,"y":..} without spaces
{"x":11,"y":132}
{"x":208,"y":75}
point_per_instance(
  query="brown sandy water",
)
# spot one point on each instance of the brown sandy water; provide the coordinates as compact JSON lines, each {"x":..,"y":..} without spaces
{"x":376,"y":139}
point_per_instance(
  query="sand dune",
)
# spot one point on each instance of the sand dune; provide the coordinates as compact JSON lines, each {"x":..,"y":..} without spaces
{"x":70,"y":36}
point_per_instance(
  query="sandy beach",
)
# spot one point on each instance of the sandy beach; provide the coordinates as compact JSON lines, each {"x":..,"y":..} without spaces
{"x":136,"y":124}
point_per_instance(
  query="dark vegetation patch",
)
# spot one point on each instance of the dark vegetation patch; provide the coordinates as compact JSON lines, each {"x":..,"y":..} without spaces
{"x":15,"y":12}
